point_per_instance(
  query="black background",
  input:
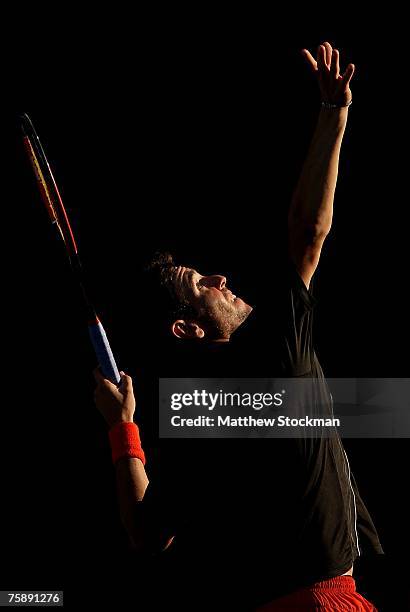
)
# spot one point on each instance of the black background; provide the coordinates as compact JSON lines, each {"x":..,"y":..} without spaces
{"x":189,"y":137}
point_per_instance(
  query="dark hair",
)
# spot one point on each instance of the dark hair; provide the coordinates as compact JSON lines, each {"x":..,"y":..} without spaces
{"x":166,"y":302}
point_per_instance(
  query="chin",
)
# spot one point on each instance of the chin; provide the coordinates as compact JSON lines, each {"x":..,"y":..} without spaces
{"x":242,"y":311}
{"x":242,"y":306}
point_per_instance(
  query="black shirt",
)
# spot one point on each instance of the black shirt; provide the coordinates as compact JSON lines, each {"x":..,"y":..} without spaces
{"x":256,"y":518}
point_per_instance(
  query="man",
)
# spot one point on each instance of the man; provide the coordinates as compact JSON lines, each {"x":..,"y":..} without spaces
{"x":271,"y":523}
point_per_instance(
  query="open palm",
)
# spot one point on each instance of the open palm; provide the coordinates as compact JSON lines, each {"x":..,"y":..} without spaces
{"x":334,"y":87}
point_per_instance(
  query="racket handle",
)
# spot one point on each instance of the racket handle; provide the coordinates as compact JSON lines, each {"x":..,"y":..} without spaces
{"x":103,"y":351}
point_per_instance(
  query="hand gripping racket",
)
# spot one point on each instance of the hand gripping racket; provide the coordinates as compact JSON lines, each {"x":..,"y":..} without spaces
{"x":58,"y":216}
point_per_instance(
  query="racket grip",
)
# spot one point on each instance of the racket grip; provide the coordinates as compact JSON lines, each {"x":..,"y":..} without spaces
{"x":103,"y":352}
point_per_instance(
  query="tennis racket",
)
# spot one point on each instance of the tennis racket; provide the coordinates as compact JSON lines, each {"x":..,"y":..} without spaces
{"x":58,"y":216}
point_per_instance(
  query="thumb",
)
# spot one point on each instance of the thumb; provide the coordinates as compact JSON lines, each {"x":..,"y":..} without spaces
{"x":126,"y":383}
{"x":348,"y":74}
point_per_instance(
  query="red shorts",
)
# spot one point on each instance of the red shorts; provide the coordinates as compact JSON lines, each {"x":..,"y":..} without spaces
{"x":334,"y":595}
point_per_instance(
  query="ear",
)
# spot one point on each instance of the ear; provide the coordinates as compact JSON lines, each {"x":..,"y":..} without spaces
{"x":187,"y":330}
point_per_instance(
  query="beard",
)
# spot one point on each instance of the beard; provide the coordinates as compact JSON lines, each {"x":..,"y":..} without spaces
{"x":225,"y":318}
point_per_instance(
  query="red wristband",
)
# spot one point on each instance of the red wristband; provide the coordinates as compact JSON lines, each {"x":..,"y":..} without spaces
{"x":125,"y":442}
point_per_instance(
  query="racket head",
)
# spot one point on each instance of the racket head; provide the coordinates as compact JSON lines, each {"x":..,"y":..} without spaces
{"x":47,"y":185}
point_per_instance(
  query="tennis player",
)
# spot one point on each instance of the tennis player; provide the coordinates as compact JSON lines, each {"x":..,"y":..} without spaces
{"x":255,"y":524}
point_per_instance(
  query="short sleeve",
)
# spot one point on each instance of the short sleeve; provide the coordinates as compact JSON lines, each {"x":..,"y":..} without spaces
{"x":302,"y":297}
{"x":296,"y":322}
{"x":281,"y":322}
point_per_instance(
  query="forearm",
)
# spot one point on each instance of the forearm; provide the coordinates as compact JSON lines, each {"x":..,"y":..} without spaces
{"x":312,"y":202}
{"x":132,"y":482}
{"x":117,"y":405}
{"x":143,"y":522}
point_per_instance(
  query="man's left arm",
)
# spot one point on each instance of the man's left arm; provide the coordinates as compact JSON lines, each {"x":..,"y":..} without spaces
{"x":311,"y":210}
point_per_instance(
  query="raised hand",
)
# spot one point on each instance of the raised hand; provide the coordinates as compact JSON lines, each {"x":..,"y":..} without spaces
{"x":334,"y":87}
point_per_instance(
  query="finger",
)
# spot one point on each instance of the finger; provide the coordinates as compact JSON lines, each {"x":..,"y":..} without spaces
{"x":328,"y":49}
{"x":335,"y":66}
{"x":348,"y":75}
{"x":310,"y":59}
{"x":321,"y":57}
